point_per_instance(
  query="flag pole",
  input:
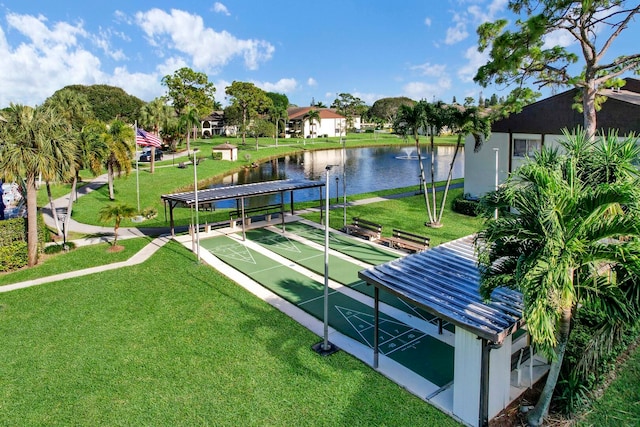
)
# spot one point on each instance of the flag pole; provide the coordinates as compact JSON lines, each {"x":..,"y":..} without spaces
{"x":137,"y":168}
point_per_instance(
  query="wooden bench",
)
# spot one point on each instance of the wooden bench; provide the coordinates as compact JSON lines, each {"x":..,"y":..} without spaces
{"x":255,"y":211}
{"x":366,"y":229}
{"x":407,"y":241}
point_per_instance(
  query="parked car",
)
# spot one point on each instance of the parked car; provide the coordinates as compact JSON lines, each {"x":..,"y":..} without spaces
{"x":146,"y":155}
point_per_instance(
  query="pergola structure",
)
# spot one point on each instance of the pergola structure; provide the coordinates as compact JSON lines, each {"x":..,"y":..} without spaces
{"x":240,"y":193}
{"x":445,"y":282}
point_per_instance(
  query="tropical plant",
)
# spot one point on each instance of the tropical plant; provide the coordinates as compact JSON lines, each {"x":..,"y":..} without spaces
{"x":116,"y":212}
{"x":189,"y":120}
{"x":120,"y":140}
{"x":560,"y":241}
{"x":108,"y":102}
{"x":517,"y":56}
{"x":34,"y":140}
{"x":313,"y":116}
{"x":152,"y":115}
{"x":464,"y":121}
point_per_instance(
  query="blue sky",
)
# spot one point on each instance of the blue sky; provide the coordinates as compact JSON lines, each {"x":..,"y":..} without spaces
{"x":307,"y":50}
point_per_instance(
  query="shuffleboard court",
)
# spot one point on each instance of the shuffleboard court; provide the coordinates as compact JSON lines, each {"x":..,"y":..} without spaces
{"x":423,"y":354}
{"x":342,"y":271}
{"x":359,"y":250}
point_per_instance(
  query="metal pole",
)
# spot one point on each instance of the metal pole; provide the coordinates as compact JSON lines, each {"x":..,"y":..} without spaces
{"x":344,"y":182}
{"x":326,"y":266}
{"x":137,"y":170}
{"x":195,"y":192}
{"x":495,"y":214}
{"x":337,"y":190}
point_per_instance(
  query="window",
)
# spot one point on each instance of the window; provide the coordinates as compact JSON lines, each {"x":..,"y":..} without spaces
{"x":525,"y":147}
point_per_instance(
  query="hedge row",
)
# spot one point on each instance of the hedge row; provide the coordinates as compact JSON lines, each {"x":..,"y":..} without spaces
{"x":464,"y":206}
{"x":13,"y":242}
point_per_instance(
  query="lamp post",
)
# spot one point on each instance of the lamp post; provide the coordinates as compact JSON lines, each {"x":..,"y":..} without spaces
{"x":495,"y":214}
{"x":62,"y":219}
{"x":337,"y":189}
{"x":325,"y":348}
{"x":195,"y":195}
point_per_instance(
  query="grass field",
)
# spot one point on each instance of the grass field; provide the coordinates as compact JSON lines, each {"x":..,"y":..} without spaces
{"x":171,"y":342}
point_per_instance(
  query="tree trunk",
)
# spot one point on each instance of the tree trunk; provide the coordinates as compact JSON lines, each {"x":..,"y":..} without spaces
{"x":446,"y":187}
{"x":589,"y":110}
{"x":423,"y":179}
{"x":115,"y":232}
{"x":110,"y":180}
{"x":32,"y":221}
{"x":188,"y":148}
{"x":536,"y":416}
{"x":434,"y":222}
{"x":53,"y":208}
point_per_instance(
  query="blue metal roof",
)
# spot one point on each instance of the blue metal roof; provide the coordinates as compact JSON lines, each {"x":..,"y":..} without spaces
{"x":445,"y":281}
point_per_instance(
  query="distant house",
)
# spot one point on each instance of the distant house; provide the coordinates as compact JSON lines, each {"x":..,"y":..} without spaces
{"x":331,"y":123}
{"x":541,"y":124}
{"x":214,"y":124}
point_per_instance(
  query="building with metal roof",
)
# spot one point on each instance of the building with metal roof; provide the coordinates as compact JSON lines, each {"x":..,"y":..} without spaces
{"x":445,"y":282}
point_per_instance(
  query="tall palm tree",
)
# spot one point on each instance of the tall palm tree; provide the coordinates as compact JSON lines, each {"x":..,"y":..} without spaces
{"x":188,"y":120}
{"x":409,"y":121}
{"x":75,"y":109}
{"x":312,"y":117}
{"x":117,"y":212}
{"x":33,"y":139}
{"x":437,"y":117}
{"x":464,"y":121}
{"x":556,"y":247}
{"x":120,"y":140}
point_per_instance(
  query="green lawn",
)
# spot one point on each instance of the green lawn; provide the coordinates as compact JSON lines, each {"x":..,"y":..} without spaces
{"x":171,"y":342}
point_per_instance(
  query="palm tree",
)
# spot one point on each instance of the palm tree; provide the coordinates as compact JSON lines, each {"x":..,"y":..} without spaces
{"x":312,"y":116}
{"x":116,"y":212}
{"x":409,"y":121}
{"x":152,"y":115}
{"x":188,"y":120}
{"x":75,"y":109}
{"x":120,"y":139}
{"x":437,"y":116}
{"x":557,"y":246}
{"x":464,"y":121}
{"x":33,"y":141}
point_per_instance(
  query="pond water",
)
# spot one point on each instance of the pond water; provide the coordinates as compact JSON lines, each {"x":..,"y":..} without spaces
{"x":365,"y":170}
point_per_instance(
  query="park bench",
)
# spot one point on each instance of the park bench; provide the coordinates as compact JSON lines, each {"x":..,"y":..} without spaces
{"x":254,"y":212}
{"x":366,"y":229}
{"x":407,"y":241}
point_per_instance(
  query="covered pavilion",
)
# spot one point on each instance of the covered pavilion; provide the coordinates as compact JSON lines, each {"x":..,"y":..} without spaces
{"x":239,"y":193}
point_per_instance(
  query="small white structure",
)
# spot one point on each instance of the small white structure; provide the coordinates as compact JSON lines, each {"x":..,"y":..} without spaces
{"x":541,"y":124}
{"x":228,"y":151}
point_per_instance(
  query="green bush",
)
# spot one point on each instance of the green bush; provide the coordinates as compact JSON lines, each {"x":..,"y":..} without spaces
{"x":465,"y":206}
{"x":13,"y":256}
{"x":57,"y":248}
{"x":216,"y":156}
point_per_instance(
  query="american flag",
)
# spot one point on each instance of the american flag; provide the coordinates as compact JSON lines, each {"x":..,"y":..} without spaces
{"x":147,"y":139}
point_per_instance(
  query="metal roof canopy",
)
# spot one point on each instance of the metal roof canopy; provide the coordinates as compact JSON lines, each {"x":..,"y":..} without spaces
{"x":445,"y":282}
{"x":239,"y":192}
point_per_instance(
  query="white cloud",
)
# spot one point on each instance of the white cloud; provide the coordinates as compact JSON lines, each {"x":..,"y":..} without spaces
{"x":281,"y":86}
{"x":428,"y":69}
{"x":456,"y":33}
{"x":475,"y":60}
{"x":428,"y":91}
{"x":50,"y":58}
{"x":208,"y":49}
{"x":220,"y":8}
{"x":312,"y":82}
{"x":489,"y":13}
{"x":427,"y":21}
{"x":560,"y":38}
{"x":144,"y":86}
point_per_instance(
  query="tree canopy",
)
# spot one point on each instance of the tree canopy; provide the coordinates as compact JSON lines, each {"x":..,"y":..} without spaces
{"x":522,"y":54}
{"x":187,"y":88}
{"x":386,"y":109}
{"x":250,"y":101}
{"x":107,"y":102}
{"x":349,"y":106}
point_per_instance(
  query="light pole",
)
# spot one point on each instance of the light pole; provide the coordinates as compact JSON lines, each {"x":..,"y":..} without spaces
{"x":195,"y":195}
{"x":325,"y":348}
{"x":337,"y":189}
{"x":495,"y":214}
{"x":62,"y":219}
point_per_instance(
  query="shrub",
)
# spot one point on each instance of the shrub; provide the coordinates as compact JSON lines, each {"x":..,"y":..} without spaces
{"x":13,"y":256}
{"x":465,"y":206}
{"x":216,"y":156}
{"x":54,"y":249}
